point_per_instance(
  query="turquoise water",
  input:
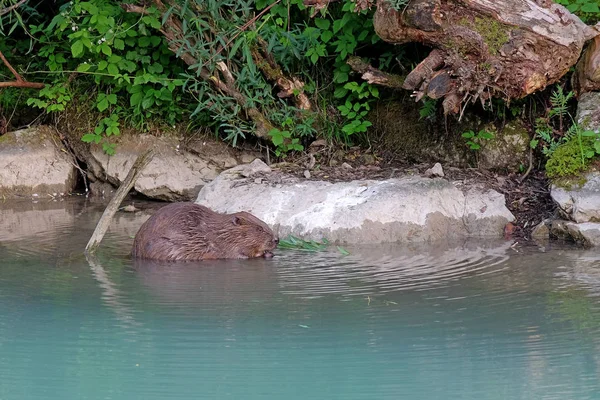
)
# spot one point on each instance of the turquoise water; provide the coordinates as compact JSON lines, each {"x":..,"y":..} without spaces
{"x":472,"y":321}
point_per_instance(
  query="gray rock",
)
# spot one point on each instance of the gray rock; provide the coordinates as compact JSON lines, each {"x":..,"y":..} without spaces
{"x":588,"y":111}
{"x":436,"y":170}
{"x":174,"y":174}
{"x":508,"y":149}
{"x":408,"y":209}
{"x":580,"y":204}
{"x":587,"y":233}
{"x":33,"y":162}
{"x":541,"y":231}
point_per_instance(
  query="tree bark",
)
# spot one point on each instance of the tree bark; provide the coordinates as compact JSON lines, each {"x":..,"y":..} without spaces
{"x":587,"y":75}
{"x":485,"y":48}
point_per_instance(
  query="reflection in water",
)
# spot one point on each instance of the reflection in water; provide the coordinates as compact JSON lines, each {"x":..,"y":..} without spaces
{"x":474,"y":320}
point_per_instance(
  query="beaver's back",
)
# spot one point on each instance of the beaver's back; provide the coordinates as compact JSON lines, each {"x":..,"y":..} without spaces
{"x":188,"y":231}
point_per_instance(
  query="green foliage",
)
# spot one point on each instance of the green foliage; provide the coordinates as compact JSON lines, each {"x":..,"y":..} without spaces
{"x":119,"y":54}
{"x":107,"y":127}
{"x":569,"y":151}
{"x":51,"y":98}
{"x":293,"y":242}
{"x":398,"y":5}
{"x":428,"y":108}
{"x":566,"y":159}
{"x":474,"y":139}
{"x":587,"y":10}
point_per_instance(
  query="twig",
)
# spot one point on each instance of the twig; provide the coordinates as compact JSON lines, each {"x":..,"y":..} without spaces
{"x":13,"y":7}
{"x":20,"y":82}
{"x":112,"y":207}
{"x":530,"y":166}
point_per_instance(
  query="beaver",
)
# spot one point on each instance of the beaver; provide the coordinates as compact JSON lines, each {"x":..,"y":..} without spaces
{"x":189,"y":231}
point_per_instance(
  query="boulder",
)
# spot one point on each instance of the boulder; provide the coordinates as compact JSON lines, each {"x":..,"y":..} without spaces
{"x":176,"y":173}
{"x":580,"y":204}
{"x":586,"y":233}
{"x":33,"y":163}
{"x":588,"y":111}
{"x":407,"y":209}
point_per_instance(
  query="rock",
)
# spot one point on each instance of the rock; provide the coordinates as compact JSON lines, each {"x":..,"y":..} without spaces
{"x":318,"y":143}
{"x":249,"y":170}
{"x":346,"y":166}
{"x":368,"y":159}
{"x":508,"y":149}
{"x":541,"y":231}
{"x":174,"y":174}
{"x":588,"y":111}
{"x":580,"y":204}
{"x":33,"y":161}
{"x":408,"y":209}
{"x":436,"y":170}
{"x":258,"y":181}
{"x":307,"y":174}
{"x":587,"y":233}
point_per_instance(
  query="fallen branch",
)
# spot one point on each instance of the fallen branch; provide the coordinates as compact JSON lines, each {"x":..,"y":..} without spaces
{"x":374,"y":76}
{"x":19,"y":82}
{"x":273,"y":72}
{"x":112,"y":207}
{"x":172,"y":29}
{"x":13,"y":7}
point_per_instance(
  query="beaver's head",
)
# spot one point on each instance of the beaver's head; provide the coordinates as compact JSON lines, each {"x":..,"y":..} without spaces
{"x":250,"y":237}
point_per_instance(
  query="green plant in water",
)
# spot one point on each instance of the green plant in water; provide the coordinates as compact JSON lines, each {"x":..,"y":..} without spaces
{"x":293,"y":242}
{"x":474,"y":139}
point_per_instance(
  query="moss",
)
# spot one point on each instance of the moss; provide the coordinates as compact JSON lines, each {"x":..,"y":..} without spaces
{"x":566,"y":160}
{"x":493,"y":33}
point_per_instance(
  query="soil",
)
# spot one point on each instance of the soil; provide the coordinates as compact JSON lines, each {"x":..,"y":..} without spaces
{"x":528,"y":199}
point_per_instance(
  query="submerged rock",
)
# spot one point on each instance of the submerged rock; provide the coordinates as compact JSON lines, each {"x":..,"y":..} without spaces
{"x":33,"y":163}
{"x":406,"y":209}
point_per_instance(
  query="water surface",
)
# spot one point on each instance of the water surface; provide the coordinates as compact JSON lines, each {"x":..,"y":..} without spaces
{"x":473,"y":320}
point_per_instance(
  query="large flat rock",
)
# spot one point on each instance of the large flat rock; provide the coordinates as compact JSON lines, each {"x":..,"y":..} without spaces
{"x":32,"y":163}
{"x":409,"y":209}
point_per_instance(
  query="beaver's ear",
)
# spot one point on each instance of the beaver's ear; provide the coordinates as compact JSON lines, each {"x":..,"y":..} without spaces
{"x":236,"y":220}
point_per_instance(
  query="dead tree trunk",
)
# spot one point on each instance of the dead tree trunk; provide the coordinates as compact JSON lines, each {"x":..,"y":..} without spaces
{"x":484,"y":48}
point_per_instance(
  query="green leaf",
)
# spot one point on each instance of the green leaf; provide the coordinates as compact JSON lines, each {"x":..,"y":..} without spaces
{"x":590,"y":8}
{"x":102,"y":104}
{"x":119,"y":44}
{"x":91,"y":137}
{"x":106,"y":49}
{"x":326,"y":36}
{"x":113,"y":69}
{"x":77,"y":48}
{"x":322,"y":23}
{"x":112,"y":98}
{"x":83,"y":67}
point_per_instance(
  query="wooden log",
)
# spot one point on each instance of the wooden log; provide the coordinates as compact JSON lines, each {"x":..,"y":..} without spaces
{"x":112,"y":207}
{"x":587,"y":75}
{"x":485,"y":48}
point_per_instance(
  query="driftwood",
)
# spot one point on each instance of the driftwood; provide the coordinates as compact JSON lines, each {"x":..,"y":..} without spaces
{"x":485,"y":48}
{"x":112,"y":207}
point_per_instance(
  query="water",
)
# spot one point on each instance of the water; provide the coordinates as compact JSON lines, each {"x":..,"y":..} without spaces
{"x":473,"y":321}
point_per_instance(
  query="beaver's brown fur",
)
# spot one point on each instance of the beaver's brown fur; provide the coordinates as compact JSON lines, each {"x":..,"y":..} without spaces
{"x":188,"y":231}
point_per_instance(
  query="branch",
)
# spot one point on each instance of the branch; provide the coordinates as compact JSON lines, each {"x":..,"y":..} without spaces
{"x":173,"y":32}
{"x":13,"y":7}
{"x":112,"y":207}
{"x":373,"y":75}
{"x":20,"y":82}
